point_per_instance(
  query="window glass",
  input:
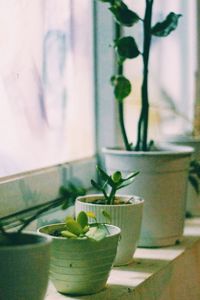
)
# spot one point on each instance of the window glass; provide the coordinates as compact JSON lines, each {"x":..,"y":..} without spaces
{"x":46,"y":86}
{"x":171,"y":72}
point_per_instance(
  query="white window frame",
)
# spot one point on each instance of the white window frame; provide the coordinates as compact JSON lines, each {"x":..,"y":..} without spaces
{"x":106,"y":124}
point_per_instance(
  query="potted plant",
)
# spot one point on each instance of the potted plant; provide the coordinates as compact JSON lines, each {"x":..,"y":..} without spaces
{"x":25,"y":255}
{"x":124,"y":211}
{"x":164,"y":168}
{"x":82,"y":254}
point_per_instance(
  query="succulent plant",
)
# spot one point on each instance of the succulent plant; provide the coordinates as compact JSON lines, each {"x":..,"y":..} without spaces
{"x":80,"y":228}
{"x":112,"y":183}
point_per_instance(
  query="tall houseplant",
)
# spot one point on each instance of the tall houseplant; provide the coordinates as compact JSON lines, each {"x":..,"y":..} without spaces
{"x":164,"y":169}
{"x":126,"y":48}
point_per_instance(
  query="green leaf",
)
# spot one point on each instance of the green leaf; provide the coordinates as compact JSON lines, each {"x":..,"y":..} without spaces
{"x":68,"y":234}
{"x":123,"y":15}
{"x":116,"y":176}
{"x":127,"y":47}
{"x":96,"y":185}
{"x":132,"y":175}
{"x":125,"y":184}
{"x":194,"y":182}
{"x":74,"y":227}
{"x":122,"y":87}
{"x":164,"y":28}
{"x":86,"y":228}
{"x":104,"y":175}
{"x":195,"y":167}
{"x":68,"y":218}
{"x":82,"y":219}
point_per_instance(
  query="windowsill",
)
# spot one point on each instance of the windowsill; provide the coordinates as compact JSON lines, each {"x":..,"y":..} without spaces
{"x":164,"y":273}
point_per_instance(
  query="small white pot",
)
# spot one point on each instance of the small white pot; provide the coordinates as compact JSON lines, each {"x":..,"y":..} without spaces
{"x":81,"y":267}
{"x":193,"y":199}
{"x":24,"y":267}
{"x":126,"y":216}
{"x":162,"y":183}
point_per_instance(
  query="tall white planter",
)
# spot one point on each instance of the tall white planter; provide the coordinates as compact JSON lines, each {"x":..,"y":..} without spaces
{"x":193,"y":199}
{"x":81,"y":266}
{"x":126,"y":216}
{"x":24,"y":267}
{"x":162,"y":183}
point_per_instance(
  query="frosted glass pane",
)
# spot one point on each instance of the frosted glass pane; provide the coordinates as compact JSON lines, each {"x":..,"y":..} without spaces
{"x":171,"y":72}
{"x":45,"y":83}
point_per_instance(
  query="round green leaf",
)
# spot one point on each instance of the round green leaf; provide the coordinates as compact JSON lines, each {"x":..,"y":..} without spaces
{"x":116,"y":176}
{"x":127,"y":47}
{"x":122,"y":87}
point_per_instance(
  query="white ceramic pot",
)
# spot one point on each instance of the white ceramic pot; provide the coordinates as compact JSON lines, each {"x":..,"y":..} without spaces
{"x":162,"y":183}
{"x":81,"y":266}
{"x":24,"y":267}
{"x":193,"y":199}
{"x":126,"y":216}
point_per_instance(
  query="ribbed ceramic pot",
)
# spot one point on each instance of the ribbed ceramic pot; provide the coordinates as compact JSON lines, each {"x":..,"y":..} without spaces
{"x":126,"y":216}
{"x":24,"y":267}
{"x":81,"y":267}
{"x":193,"y":199}
{"x":162,"y":183}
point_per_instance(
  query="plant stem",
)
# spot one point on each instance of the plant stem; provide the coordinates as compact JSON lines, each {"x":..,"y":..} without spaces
{"x":112,"y":195}
{"x":144,"y":116}
{"x":118,"y":32}
{"x":39,"y":213}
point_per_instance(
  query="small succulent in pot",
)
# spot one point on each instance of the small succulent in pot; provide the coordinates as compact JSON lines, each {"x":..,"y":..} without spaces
{"x":111,"y":184}
{"x":124,"y":211}
{"x":79,"y":265}
{"x":80,"y":228}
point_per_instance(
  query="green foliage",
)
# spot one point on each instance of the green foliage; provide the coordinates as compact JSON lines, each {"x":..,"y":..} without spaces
{"x":122,"y":87}
{"x":194,"y":175}
{"x":111,"y":184}
{"x":81,"y":229}
{"x":122,"y":14}
{"x":126,"y":48}
{"x":69,"y":193}
{"x":23,"y":218}
{"x":163,"y":29}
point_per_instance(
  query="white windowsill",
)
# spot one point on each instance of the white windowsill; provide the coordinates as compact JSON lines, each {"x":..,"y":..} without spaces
{"x":170,"y":273}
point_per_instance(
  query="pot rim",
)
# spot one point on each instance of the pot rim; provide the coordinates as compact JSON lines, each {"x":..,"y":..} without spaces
{"x":164,"y":149}
{"x":116,"y":228}
{"x":43,"y":240}
{"x":138,"y":200}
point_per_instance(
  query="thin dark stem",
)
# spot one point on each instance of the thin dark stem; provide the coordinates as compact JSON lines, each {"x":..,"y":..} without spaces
{"x":144,"y":116}
{"x":118,"y":32}
{"x":112,"y":195}
{"x":39,"y":213}
{"x":16,"y":219}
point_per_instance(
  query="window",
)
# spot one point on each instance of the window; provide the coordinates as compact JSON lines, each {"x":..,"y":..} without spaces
{"x":172,"y":72}
{"x":46,"y":84}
